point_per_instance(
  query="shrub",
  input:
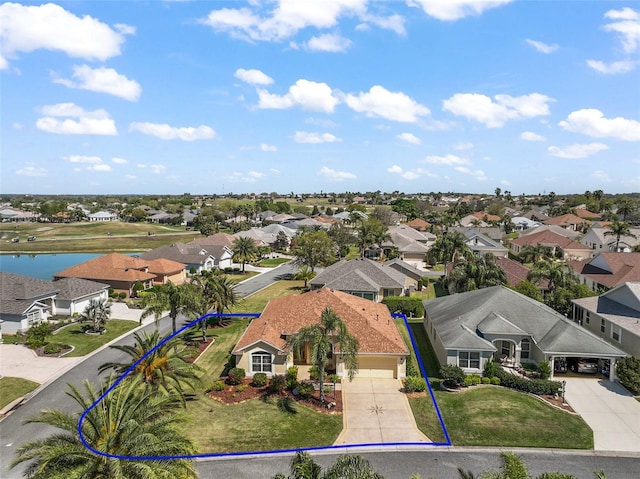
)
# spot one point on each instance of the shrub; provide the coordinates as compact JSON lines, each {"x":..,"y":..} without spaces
{"x":414,"y":384}
{"x":122,"y":295}
{"x":314,"y":373}
{"x":452,"y":376}
{"x":259,"y":380}
{"x":471,"y":380}
{"x":409,"y":306}
{"x":411,"y":369}
{"x":495,"y":381}
{"x":305,"y":390}
{"x":277,"y":384}
{"x":215,"y":386}
{"x":111,"y":292}
{"x":241,"y":388}
{"x":533,"y":386}
{"x":52,"y":348}
{"x":291,"y":383}
{"x":544,"y":369}
{"x":485,"y":380}
{"x":37,"y":335}
{"x":334,"y":378}
{"x":292,"y":372}
{"x":235,"y":376}
{"x":628,"y":372}
{"x":490,"y":369}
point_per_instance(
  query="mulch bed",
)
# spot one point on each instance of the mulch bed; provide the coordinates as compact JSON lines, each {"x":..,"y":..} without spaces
{"x":40,"y":352}
{"x":230,"y":395}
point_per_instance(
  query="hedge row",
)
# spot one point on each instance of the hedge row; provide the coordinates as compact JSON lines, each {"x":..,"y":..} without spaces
{"x":412,"y":307}
{"x":533,"y":386}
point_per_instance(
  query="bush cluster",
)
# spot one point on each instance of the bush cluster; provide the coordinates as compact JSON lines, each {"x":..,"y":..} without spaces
{"x":259,"y":380}
{"x":241,"y":388}
{"x":235,"y":376}
{"x":533,"y":386}
{"x":277,"y":384}
{"x":305,"y":390}
{"x":414,"y":384}
{"x":215,"y":386}
{"x":409,"y":306}
{"x":628,"y":372}
{"x":471,"y":380}
{"x":452,"y":376}
{"x":53,"y":348}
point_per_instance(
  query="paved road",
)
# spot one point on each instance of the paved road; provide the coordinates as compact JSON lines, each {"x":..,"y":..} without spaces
{"x":256,"y":283}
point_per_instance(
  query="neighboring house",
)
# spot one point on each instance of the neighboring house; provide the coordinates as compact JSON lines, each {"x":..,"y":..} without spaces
{"x":17,"y":216}
{"x":102,"y":216}
{"x":585,"y":214}
{"x":364,"y":278}
{"x":574,"y":235}
{"x":411,"y":244}
{"x":195,"y":258}
{"x":608,"y":270}
{"x":613,"y":316}
{"x":217,"y":239}
{"x":469,"y":329}
{"x":25,"y":301}
{"x":75,"y":294}
{"x":596,"y":239}
{"x":410,"y":270}
{"x":522,"y":223}
{"x":418,"y":224}
{"x":119,"y":271}
{"x":166,"y":270}
{"x":559,"y":245}
{"x":162,"y":217}
{"x":261,"y":238}
{"x":262,"y":347}
{"x":473,"y":220}
{"x":568,"y":221}
{"x":481,"y":244}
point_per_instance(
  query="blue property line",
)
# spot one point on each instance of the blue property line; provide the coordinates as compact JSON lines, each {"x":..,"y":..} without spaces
{"x":254,"y":453}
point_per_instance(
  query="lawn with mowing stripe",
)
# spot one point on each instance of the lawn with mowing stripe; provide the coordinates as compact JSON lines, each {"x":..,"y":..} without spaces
{"x":256,"y":302}
{"x":273,"y":262}
{"x":499,"y":417}
{"x":85,"y":343}
{"x":13,"y":388}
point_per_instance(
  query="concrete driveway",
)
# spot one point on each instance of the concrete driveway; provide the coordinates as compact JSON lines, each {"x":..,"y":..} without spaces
{"x":21,"y":362}
{"x":609,"y":409}
{"x":375,"y":411}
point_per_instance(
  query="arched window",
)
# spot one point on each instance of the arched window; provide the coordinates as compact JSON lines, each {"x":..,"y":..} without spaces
{"x":261,"y":362}
{"x":525,"y":347}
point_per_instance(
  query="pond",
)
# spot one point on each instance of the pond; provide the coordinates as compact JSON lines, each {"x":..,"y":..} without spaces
{"x":43,"y":266}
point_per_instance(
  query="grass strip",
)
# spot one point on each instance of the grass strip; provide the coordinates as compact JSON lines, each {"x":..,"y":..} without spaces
{"x":13,"y":388}
{"x":85,"y":343}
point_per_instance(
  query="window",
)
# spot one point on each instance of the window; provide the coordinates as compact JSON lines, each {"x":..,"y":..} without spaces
{"x":525,"y":346}
{"x":261,"y":362}
{"x":469,"y":359}
{"x":602,"y":323}
{"x":300,"y":357}
{"x":33,"y":317}
{"x":388,"y":292}
{"x":616,"y":332}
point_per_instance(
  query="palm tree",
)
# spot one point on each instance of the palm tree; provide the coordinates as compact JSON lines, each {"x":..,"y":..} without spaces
{"x":476,"y":272}
{"x":320,"y":338}
{"x":626,"y":206}
{"x":619,"y":229}
{"x":558,"y":274}
{"x":303,"y":466}
{"x":217,"y":295}
{"x":160,"y":362}
{"x":448,"y":247}
{"x":371,"y":232}
{"x":304,"y":274}
{"x":535,"y":253}
{"x":244,"y":250}
{"x":176,"y":299}
{"x":97,"y":312}
{"x":129,"y":422}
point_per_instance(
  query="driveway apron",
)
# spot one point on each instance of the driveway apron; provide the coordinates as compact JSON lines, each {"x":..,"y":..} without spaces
{"x":609,"y":409}
{"x":375,"y":411}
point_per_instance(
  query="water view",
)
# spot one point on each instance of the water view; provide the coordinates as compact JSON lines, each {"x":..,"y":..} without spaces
{"x":42,"y":266}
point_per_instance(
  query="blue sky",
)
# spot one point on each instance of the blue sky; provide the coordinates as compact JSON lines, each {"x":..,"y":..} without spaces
{"x":166,"y":97}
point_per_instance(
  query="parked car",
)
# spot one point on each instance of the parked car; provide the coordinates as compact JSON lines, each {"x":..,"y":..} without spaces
{"x":583,"y":365}
{"x":15,"y":240}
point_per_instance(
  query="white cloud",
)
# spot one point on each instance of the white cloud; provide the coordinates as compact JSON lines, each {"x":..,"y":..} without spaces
{"x":394,"y":169}
{"x":329,"y":42}
{"x":455,"y":9}
{"x":253,"y":77}
{"x":119,"y":161}
{"x":274,"y":171}
{"x":613,"y":68}
{"x":601,"y":176}
{"x":409,"y":138}
{"x":157,"y":169}
{"x":31,"y":171}
{"x":410,"y":174}
{"x":130,"y":177}
{"x":167,"y":132}
{"x":505,"y":183}
{"x":477,"y":174}
{"x":4,"y":64}
{"x":312,"y":137}
{"x":393,"y":22}
{"x":265,"y":147}
{"x":305,"y":94}
{"x":101,"y":167}
{"x":284,"y":21}
{"x":577,"y":151}
{"x":90,"y":160}
{"x":449,"y":160}
{"x":627,"y":26}
{"x":322,"y":122}
{"x":481,"y":108}
{"x":334,"y":175}
{"x":531,"y":136}
{"x":103,"y":80}
{"x":51,"y":27}
{"x":256,"y":174}
{"x":592,"y":122}
{"x":541,"y":46}
{"x":88,"y":122}
{"x":382,"y":103}
{"x":463,"y":146}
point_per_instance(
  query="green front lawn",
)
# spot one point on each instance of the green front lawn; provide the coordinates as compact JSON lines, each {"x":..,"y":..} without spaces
{"x":257,"y":302}
{"x":499,"y":417}
{"x":85,"y":343}
{"x":215,"y":359}
{"x":272,"y":262}
{"x":13,"y":388}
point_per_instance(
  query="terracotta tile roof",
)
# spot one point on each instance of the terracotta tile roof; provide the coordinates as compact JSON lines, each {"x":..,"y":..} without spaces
{"x":418,"y":224}
{"x":624,"y":268}
{"x":368,"y":321}
{"x":481,"y":215}
{"x":165,"y":266}
{"x":113,"y":266}
{"x":586,"y":214}
{"x":219,"y":239}
{"x":549,"y":238}
{"x":568,"y":220}
{"x":516,"y":272}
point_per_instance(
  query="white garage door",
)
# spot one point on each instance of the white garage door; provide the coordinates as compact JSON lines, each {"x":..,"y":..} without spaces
{"x":376,"y":367}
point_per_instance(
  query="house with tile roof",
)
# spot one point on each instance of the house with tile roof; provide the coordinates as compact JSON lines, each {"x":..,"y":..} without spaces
{"x":568,"y":221}
{"x":418,"y":224}
{"x":364,"y":278}
{"x":481,"y":244}
{"x":613,"y":316}
{"x":26,"y":301}
{"x":119,"y":271}
{"x":574,"y":235}
{"x":608,"y":270}
{"x":498,"y":324}
{"x":262,"y":347}
{"x":410,"y":243}
{"x":597,"y":239}
{"x":193,"y":257}
{"x":217,"y":239}
{"x":560,"y":245}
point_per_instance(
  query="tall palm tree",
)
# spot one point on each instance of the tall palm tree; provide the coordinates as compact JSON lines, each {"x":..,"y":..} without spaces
{"x":476,"y":272}
{"x":320,"y":338}
{"x":127,"y":422}
{"x":449,"y":247}
{"x":619,"y":229}
{"x":559,"y":275}
{"x":217,"y":295}
{"x":176,"y":299}
{"x":98,"y":312}
{"x":535,"y":253}
{"x":304,"y":274}
{"x":244,"y":250}
{"x":626,"y":206}
{"x":165,"y":366}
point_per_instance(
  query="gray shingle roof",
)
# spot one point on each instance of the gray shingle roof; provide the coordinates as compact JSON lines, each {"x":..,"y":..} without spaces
{"x":16,"y":286}
{"x":382,"y":276}
{"x":74,"y":288}
{"x":180,"y":252}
